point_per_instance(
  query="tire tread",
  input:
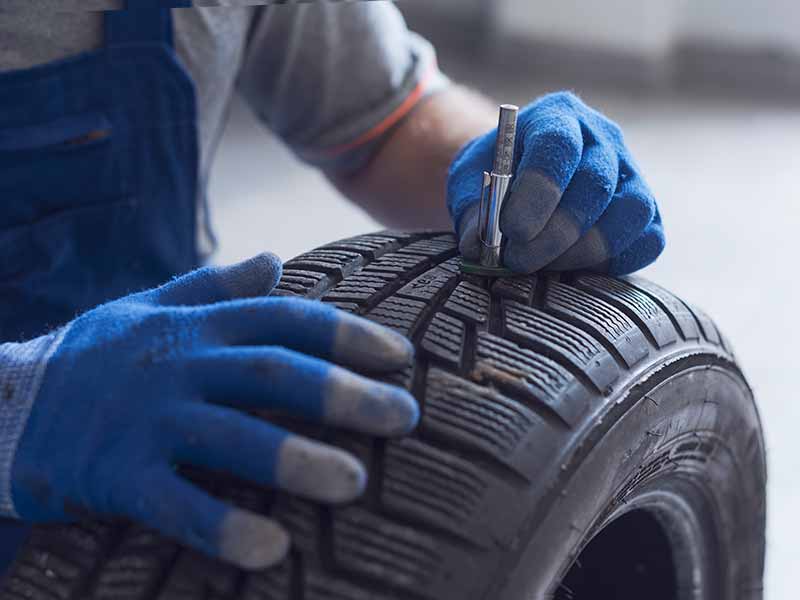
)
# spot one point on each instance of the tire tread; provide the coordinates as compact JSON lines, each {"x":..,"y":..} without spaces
{"x":506,"y":372}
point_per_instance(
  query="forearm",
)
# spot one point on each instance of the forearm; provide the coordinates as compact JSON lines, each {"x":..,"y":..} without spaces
{"x":404,"y":185}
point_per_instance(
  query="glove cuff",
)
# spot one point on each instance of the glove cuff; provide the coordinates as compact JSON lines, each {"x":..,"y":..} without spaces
{"x":22,"y":367}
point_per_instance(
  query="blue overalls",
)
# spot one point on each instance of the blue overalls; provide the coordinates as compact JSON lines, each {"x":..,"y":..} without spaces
{"x":98,"y":180}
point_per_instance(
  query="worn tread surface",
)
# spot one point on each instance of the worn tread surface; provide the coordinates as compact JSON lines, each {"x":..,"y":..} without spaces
{"x":506,"y":373}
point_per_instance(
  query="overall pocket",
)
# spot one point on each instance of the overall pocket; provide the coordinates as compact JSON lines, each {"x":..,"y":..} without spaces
{"x":47,"y":168}
{"x":63,"y":133}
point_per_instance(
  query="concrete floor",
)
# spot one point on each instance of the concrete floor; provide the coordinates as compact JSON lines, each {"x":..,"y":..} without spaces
{"x":725,"y":174}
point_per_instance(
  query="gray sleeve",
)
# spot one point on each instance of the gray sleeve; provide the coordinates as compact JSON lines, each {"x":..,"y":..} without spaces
{"x":333,"y":78}
{"x":22,"y":367}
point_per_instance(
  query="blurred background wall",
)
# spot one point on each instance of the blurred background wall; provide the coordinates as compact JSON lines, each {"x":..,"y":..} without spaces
{"x":751,"y":47}
{"x":651,"y":27}
{"x":708,"y":94}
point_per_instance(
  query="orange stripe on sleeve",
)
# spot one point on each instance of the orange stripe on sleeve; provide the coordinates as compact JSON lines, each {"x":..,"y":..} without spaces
{"x":390,"y":121}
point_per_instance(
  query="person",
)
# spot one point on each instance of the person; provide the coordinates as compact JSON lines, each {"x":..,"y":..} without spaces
{"x":121,"y":358}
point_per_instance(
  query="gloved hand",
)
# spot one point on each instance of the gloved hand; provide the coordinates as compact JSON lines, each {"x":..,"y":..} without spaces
{"x":577,"y":200}
{"x":95,"y":415}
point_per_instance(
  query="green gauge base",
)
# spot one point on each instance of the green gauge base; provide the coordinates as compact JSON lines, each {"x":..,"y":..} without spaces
{"x":476,"y":269}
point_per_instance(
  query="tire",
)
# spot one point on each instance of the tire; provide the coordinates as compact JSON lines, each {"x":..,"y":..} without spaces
{"x":581,"y":437}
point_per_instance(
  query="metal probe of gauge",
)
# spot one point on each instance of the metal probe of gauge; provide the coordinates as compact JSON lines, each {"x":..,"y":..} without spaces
{"x":494,"y":190}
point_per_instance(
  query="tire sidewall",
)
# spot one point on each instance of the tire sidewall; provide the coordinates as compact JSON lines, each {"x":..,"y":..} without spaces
{"x":603,"y":470}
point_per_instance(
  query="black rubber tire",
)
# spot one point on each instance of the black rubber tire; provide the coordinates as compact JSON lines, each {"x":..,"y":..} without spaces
{"x":552,"y":406}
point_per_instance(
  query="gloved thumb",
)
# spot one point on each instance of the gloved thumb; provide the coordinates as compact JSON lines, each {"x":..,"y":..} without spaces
{"x":253,"y":277}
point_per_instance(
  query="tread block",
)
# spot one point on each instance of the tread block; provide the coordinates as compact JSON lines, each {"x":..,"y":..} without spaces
{"x":453,"y":265}
{"x":19,"y":587}
{"x":438,"y":484}
{"x":402,"y":378}
{"x":62,"y":575}
{"x":373,"y":245}
{"x":359,"y":287}
{"x":479,"y":416}
{"x":400,"y":556}
{"x":470,"y":302}
{"x":627,"y":298}
{"x":357,"y":444}
{"x":272,"y":584}
{"x":425,"y":287}
{"x":520,"y":289}
{"x":77,"y":543}
{"x":483,"y":419}
{"x":57,"y":562}
{"x":553,"y":336}
{"x":298,"y":282}
{"x":547,"y":387}
{"x":134,"y":568}
{"x":350,"y":307}
{"x":300,"y":518}
{"x":320,"y":586}
{"x":399,"y":264}
{"x":673,"y":306}
{"x":400,"y":314}
{"x":447,"y":492}
{"x":196,"y":576}
{"x":602,"y":318}
{"x":432,"y":247}
{"x":336,"y":262}
{"x":444,"y":339}
{"x":369,"y":544}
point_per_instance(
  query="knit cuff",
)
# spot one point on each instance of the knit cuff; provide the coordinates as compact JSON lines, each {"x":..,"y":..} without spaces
{"x":22,"y":367}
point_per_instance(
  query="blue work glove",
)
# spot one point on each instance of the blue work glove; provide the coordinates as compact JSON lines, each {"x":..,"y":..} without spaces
{"x":95,"y":416}
{"x":578,"y":200}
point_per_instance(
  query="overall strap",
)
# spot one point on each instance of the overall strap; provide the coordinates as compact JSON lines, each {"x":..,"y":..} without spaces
{"x":141,"y":21}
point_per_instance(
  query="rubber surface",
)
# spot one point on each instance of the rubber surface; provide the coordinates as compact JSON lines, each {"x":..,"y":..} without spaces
{"x":528,"y":386}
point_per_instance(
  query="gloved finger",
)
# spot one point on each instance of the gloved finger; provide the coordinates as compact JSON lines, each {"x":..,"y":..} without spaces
{"x":160,"y":499}
{"x":306,"y":387}
{"x":641,"y":253}
{"x":254,"y":277}
{"x":631,"y":210}
{"x":311,"y":328}
{"x":583,"y":202}
{"x":469,"y":241}
{"x":465,"y":176}
{"x":552,"y":149}
{"x":226,"y":440}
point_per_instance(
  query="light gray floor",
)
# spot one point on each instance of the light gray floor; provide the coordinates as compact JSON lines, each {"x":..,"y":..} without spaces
{"x":726,"y":176}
